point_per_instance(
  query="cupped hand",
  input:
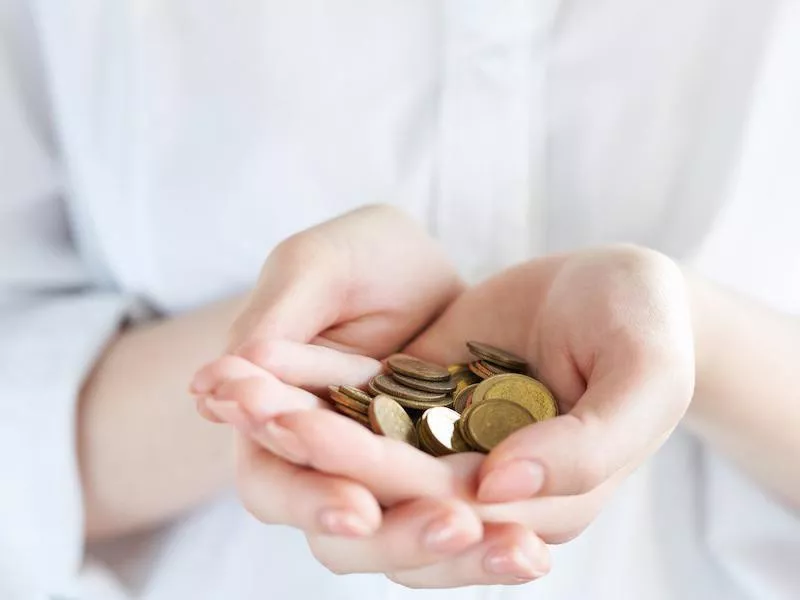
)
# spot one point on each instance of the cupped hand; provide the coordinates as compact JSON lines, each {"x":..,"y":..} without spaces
{"x":330,"y":302}
{"x":609,"y":331}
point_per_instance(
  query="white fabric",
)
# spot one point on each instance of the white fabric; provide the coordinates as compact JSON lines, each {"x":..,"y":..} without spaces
{"x":157,"y":149}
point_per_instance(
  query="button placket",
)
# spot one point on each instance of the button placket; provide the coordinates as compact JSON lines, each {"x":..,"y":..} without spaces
{"x":491,"y":186}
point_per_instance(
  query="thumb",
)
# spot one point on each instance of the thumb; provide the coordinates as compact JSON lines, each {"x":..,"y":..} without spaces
{"x":621,"y":418}
{"x":474,"y":316}
{"x":298,"y":293}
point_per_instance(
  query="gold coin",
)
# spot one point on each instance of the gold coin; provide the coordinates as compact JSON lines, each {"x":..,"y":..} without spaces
{"x":458,"y":443}
{"x":492,"y":421}
{"x":497,"y":356}
{"x":437,"y":387}
{"x":423,"y":442}
{"x":416,"y":406}
{"x":425,"y":439}
{"x":463,"y":399}
{"x":384,"y":384}
{"x":388,"y":418}
{"x":419,"y":369}
{"x":339,"y":398}
{"x":353,"y":414}
{"x":478,"y":369}
{"x":457,"y":368}
{"x":438,"y":425}
{"x":464,"y":432}
{"x":464,"y":379}
{"x":492,"y":368}
{"x":526,"y":391}
{"x":356,"y":394}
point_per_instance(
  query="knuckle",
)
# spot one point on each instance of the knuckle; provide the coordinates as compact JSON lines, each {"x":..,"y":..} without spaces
{"x":264,"y":353}
{"x":252,"y":501}
{"x":250,"y":487}
{"x":297,"y":250}
{"x":562,"y":537}
{"x":327,"y":555}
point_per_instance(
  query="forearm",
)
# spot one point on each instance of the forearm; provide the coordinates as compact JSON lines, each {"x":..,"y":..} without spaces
{"x":145,"y":454}
{"x":747,"y":400}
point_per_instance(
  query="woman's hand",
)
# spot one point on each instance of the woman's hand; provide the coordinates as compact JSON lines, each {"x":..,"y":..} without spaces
{"x":357,"y":287}
{"x":610,"y":332}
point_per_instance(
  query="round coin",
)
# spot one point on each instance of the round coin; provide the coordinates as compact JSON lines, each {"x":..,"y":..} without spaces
{"x":492,"y":421}
{"x":419,"y":369}
{"x":526,"y":391}
{"x":415,"y":406}
{"x":463,"y":399}
{"x":458,"y":443}
{"x":439,"y":423}
{"x":478,"y":369}
{"x":492,"y":368}
{"x":425,"y":438}
{"x":387,"y":385}
{"x":437,"y":387}
{"x":356,"y":394}
{"x":355,"y":415}
{"x":457,"y":368}
{"x":462,"y":429}
{"x":464,"y":379}
{"x":341,"y":399}
{"x":388,"y":418}
{"x":497,"y":356}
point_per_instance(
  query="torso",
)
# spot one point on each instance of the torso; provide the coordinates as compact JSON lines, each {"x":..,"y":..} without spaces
{"x":194,"y":139}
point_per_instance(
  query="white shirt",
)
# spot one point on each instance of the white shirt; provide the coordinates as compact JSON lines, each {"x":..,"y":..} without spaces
{"x":156,"y":150}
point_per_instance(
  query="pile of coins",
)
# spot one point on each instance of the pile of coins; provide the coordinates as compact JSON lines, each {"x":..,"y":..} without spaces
{"x":460,"y":408}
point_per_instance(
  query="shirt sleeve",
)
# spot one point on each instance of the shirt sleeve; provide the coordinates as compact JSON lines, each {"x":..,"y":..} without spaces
{"x":54,"y":322}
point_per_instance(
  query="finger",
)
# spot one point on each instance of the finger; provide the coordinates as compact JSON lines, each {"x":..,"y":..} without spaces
{"x":210,"y":377}
{"x":309,"y":366}
{"x":265,"y":396}
{"x":555,"y":519}
{"x":298,"y":291}
{"x":613,"y":424}
{"x":415,"y":534}
{"x":394,"y":471}
{"x":467,"y":318}
{"x":227,"y":367}
{"x":509,"y":554}
{"x":275,"y":491}
{"x":344,"y":272}
{"x":248,"y":403}
{"x":205,"y":412}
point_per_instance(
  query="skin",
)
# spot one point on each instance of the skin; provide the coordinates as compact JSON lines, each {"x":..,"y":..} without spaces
{"x":144,"y":455}
{"x":335,"y":299}
{"x":613,"y":332}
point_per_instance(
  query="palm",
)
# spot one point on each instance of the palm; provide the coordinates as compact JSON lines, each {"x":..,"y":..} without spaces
{"x":572,"y":316}
{"x":609,"y":332}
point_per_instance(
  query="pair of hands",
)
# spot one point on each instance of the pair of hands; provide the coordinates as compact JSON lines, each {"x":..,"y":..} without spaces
{"x":609,"y":331}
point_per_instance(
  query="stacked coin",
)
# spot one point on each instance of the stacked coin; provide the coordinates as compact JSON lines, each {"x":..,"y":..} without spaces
{"x":351,"y":402}
{"x":459,"y":408}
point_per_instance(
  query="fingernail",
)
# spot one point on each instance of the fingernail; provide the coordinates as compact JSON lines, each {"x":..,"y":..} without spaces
{"x":444,"y":535}
{"x":284,"y":442}
{"x":513,"y":561}
{"x":343,"y":522}
{"x":515,"y":480}
{"x":229,"y":412}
